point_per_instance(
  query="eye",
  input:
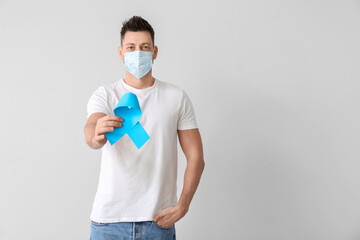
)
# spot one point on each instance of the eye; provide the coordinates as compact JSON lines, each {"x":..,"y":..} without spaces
{"x":130,"y":47}
{"x":146,"y":47}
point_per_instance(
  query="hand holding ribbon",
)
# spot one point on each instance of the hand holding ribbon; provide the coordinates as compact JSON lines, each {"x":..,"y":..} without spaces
{"x":128,"y":108}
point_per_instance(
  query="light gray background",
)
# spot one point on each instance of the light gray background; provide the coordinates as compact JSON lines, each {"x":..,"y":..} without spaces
{"x":275,"y":87}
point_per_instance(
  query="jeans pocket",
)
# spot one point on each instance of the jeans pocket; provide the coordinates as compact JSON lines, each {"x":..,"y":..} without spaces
{"x":164,"y":228}
{"x":98,"y":224}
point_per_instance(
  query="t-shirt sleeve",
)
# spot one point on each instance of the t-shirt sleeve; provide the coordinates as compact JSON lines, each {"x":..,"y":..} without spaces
{"x":98,"y":102}
{"x":187,"y":118}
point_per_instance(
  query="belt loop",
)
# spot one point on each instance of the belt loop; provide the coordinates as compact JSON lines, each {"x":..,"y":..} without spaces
{"x":133,"y":230}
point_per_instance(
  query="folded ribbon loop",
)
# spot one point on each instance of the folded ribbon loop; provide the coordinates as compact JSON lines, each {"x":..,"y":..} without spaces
{"x":129,"y":110}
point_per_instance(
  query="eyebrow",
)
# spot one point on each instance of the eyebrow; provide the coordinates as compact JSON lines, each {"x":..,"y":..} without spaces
{"x":141,"y":44}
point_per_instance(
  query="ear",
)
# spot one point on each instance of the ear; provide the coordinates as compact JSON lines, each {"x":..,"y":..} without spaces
{"x":155,"y":52}
{"x":121,"y":53}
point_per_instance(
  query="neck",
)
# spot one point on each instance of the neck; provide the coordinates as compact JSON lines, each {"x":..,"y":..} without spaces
{"x":139,"y":83}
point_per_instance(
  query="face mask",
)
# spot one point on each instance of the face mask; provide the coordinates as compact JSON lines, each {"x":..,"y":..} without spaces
{"x":138,"y":63}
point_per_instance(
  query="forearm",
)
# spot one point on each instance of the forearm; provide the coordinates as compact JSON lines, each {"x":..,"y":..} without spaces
{"x":192,"y":177}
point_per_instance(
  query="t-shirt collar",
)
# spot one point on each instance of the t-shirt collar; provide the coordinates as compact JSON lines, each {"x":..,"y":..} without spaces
{"x":138,"y":91}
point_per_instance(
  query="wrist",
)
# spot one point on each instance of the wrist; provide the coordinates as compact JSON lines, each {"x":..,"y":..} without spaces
{"x":182,"y":208}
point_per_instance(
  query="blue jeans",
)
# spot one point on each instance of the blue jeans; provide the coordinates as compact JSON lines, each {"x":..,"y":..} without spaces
{"x":146,"y":230}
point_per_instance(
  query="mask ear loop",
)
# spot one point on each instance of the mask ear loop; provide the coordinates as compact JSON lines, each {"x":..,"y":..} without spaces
{"x":124,"y":59}
{"x":153,"y":55}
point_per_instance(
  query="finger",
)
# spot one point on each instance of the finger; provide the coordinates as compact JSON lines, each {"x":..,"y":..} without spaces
{"x":103,"y":130}
{"x":112,"y":124}
{"x":102,"y":119}
{"x":114,"y":118}
{"x":158,"y":217}
{"x":100,"y":137}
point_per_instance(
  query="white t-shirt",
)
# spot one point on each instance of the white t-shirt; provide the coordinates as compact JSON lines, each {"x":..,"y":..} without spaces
{"x":137,"y":184}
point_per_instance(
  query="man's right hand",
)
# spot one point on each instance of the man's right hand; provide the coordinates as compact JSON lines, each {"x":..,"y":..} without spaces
{"x":103,"y":125}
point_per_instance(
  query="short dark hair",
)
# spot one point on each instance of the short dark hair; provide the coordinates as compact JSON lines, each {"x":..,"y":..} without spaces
{"x":135,"y":24}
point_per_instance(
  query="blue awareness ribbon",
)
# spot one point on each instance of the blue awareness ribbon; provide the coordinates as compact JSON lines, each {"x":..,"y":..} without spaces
{"x":129,"y":110}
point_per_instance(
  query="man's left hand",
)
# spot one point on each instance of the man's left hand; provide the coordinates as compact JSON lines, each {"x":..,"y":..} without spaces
{"x":167,"y":217}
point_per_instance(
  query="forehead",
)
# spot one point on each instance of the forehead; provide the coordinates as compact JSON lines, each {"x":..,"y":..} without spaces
{"x":138,"y":37}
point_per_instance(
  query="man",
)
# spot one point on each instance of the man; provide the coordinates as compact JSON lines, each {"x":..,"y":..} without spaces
{"x":137,"y":191}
